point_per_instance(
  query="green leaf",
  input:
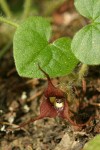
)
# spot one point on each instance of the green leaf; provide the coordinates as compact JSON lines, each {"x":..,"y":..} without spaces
{"x":93,"y":144}
{"x":37,"y":24}
{"x":31,"y":47}
{"x":59,"y":60}
{"x":86,"y":44}
{"x":88,"y":8}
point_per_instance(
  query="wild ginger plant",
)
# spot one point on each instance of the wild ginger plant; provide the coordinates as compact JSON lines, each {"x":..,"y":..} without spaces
{"x":31,"y":47}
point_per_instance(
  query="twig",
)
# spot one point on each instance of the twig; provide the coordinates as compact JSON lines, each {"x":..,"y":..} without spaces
{"x":95,"y":104}
{"x":14,"y":126}
{"x":34,"y":96}
{"x":6,"y":8}
{"x":9,"y":124}
{"x":84,"y":85}
{"x":13,"y":70}
{"x":4,"y":20}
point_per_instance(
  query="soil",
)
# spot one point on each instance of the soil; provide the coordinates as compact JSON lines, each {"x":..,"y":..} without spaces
{"x":20,"y":100}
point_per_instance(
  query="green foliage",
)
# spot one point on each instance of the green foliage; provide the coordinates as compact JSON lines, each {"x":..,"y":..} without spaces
{"x":31,"y":47}
{"x":89,"y":9}
{"x":93,"y":144}
{"x":31,"y":44}
{"x":86,"y":42}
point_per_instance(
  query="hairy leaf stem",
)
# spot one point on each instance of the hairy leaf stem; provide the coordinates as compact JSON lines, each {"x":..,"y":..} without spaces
{"x":27,"y":6}
{"x":6,"y":8}
{"x":83,"y":70}
{"x":4,"y":20}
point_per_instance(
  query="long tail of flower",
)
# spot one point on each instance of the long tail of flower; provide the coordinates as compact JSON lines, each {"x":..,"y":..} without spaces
{"x":67,"y":117}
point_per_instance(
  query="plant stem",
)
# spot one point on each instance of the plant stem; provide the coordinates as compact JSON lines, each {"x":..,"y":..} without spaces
{"x":5,"y":49}
{"x":8,"y":22}
{"x":6,"y":8}
{"x":27,"y":6}
{"x":83,"y":70}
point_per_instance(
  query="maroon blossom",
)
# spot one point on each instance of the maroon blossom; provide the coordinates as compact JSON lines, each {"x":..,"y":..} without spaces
{"x":53,"y":104}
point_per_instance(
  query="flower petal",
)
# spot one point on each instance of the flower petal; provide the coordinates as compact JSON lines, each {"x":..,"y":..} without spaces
{"x":51,"y":90}
{"x":65,"y":115}
{"x":47,"y":109}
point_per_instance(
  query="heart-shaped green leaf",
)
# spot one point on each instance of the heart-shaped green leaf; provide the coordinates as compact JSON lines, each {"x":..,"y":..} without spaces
{"x":31,"y":47}
{"x":86,"y":43}
{"x":88,"y":8}
{"x":58,"y":60}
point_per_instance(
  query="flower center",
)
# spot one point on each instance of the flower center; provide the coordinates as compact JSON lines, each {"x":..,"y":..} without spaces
{"x":58,"y":103}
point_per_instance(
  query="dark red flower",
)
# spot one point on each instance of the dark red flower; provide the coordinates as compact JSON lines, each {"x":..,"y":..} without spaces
{"x":54,"y":104}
